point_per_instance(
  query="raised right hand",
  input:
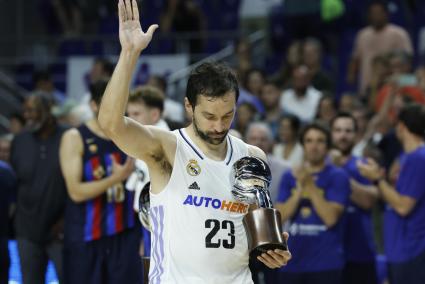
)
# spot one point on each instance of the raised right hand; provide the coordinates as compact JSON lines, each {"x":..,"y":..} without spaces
{"x":132,"y":37}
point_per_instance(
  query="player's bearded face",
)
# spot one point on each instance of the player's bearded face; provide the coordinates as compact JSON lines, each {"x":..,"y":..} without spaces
{"x":211,"y":137}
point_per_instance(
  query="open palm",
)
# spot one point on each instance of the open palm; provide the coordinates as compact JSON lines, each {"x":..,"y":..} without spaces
{"x":131,"y":34}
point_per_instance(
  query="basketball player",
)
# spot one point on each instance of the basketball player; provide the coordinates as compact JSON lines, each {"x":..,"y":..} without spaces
{"x":360,"y":251}
{"x":197,"y":230}
{"x":101,"y":232}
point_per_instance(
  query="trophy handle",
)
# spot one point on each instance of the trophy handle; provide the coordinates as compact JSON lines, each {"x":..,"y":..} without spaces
{"x":263,"y":228}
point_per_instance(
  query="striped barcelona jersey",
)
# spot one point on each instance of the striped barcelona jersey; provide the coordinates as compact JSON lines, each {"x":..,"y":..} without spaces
{"x":197,"y":230}
{"x":109,"y":213}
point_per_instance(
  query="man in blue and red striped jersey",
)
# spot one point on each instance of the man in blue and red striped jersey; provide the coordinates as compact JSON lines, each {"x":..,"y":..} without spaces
{"x":101,"y":238}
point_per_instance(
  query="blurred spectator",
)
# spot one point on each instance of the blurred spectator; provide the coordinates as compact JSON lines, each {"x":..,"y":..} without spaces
{"x":245,"y":114}
{"x":16,"y":123}
{"x":260,"y":135}
{"x":362,"y":117}
{"x":173,"y":111}
{"x":71,"y":114}
{"x":184,"y":16}
{"x":401,"y":73}
{"x":312,"y":58}
{"x":41,"y":190}
{"x":5,"y":144}
{"x":404,"y":232}
{"x":254,"y":81}
{"x":292,"y":60}
{"x":270,"y":97}
{"x":359,"y":245}
{"x":379,"y":73}
{"x":326,"y":109}
{"x":379,"y":38}
{"x":101,"y":234}
{"x":243,"y":58}
{"x":43,"y":83}
{"x":312,"y":198}
{"x":61,"y":16}
{"x":101,"y":69}
{"x":7,"y":189}
{"x":302,"y":99}
{"x":289,"y":149}
{"x":347,"y":102}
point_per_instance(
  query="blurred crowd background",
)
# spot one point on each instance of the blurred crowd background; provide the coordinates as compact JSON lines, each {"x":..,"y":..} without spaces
{"x":297,"y":61}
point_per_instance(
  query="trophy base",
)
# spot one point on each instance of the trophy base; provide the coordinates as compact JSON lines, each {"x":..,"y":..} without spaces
{"x":265,"y":248}
{"x":263,"y":228}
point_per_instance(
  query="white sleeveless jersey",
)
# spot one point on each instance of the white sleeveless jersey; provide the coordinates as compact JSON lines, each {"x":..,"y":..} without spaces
{"x":197,"y":230}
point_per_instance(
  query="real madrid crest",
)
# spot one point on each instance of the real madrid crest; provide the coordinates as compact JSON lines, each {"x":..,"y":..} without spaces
{"x":93,"y":148}
{"x":193,"y":168}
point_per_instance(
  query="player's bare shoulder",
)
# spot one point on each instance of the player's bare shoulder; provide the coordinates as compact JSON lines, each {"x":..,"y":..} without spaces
{"x":71,"y":139}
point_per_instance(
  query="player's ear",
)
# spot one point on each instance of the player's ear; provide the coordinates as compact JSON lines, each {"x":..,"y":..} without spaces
{"x":188,"y":107}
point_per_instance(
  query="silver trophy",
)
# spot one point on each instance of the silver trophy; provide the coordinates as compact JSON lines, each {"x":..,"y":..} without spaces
{"x":251,"y":177}
{"x":144,"y":205}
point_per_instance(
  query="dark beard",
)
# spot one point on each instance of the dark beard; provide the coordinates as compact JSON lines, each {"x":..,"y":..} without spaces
{"x":347,"y":151}
{"x":204,"y":135}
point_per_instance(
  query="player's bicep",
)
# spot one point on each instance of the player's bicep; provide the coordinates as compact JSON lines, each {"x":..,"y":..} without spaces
{"x":70,"y":154}
{"x":137,"y":140}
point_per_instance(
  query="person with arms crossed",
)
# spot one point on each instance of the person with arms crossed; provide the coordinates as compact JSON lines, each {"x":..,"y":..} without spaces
{"x":101,"y":236}
{"x":359,"y":244}
{"x":404,"y":226}
{"x":197,"y":230}
{"x":312,"y":198}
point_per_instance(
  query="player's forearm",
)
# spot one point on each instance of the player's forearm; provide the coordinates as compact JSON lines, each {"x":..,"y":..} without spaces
{"x":394,"y":199}
{"x":287,"y":209}
{"x":325,"y":209}
{"x":114,"y":102}
{"x":84,"y":191}
{"x":363,"y":196}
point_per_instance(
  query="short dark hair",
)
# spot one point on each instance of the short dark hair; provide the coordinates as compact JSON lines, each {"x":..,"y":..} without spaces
{"x":107,"y":66}
{"x":161,"y":82}
{"x":293,"y":120}
{"x":413,"y":117}
{"x":41,"y":75}
{"x":97,"y":89}
{"x":316,"y":126}
{"x":149,"y":95}
{"x":344,"y":114}
{"x":211,"y":79}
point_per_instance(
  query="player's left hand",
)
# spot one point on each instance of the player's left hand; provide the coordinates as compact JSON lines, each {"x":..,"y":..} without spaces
{"x":276,"y":258}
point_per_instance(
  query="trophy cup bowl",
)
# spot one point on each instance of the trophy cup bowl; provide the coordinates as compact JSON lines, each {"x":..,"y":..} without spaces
{"x":144,"y":205}
{"x":250,"y":177}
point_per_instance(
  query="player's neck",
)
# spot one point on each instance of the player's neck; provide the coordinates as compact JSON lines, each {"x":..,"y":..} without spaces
{"x":317,"y":166}
{"x":95,"y":128}
{"x":214,"y":152}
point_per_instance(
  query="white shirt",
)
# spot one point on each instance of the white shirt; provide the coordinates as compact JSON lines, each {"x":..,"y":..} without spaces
{"x":197,"y":230}
{"x":295,"y":157}
{"x":305,"y":108}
